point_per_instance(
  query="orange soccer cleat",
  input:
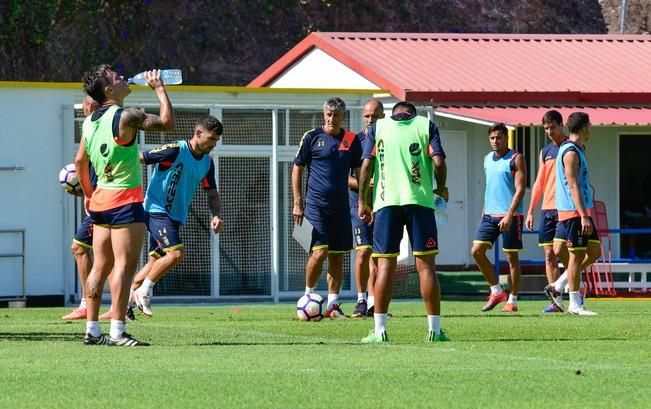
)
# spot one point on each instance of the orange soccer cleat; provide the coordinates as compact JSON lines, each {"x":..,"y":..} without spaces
{"x":494,"y":300}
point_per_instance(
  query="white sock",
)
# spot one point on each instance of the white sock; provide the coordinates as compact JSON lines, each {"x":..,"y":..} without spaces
{"x":434,"y":323}
{"x":82,"y":303}
{"x":513,"y":299}
{"x":380,"y":323}
{"x":371,"y":301}
{"x":93,"y":328}
{"x":117,"y":329}
{"x":309,"y":290}
{"x":147,"y":285}
{"x":495,"y":289}
{"x":333,"y":299}
{"x":560,"y":284}
{"x":361,"y":297}
{"x":575,"y":299}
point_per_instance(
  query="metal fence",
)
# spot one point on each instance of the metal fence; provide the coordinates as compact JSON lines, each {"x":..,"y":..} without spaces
{"x":255,"y":255}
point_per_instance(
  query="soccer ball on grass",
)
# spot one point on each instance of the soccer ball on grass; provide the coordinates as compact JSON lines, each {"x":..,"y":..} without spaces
{"x":310,"y":307}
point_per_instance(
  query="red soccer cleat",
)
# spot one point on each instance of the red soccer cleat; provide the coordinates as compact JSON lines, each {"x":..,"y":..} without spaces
{"x":335,"y":313}
{"x":76,"y":314}
{"x":510,"y":307}
{"x":495,"y":299}
{"x":108,"y":315}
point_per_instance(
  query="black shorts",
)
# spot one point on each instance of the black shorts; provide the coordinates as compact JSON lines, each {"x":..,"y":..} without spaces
{"x":569,"y":231}
{"x":120,"y":216}
{"x":488,"y":231}
{"x":421,"y":228}
{"x":331,"y":228}
{"x":547,"y":229}
{"x":84,"y":235}
{"x":163,"y":234}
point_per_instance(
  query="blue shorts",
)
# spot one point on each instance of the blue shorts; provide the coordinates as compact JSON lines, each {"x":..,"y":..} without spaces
{"x":362,"y":232}
{"x":163,"y":234}
{"x":547,"y":229}
{"x":332,"y":228}
{"x":84,"y":235}
{"x":127,"y":214}
{"x":488,"y":231}
{"x":569,"y":231}
{"x":389,"y":226}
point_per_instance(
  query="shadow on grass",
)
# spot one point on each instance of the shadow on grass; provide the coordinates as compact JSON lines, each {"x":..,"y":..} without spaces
{"x":539,"y":339}
{"x":288,"y":343}
{"x":39,"y":336}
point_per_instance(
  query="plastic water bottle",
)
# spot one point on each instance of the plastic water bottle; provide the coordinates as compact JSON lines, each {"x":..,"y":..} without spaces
{"x":169,"y":77}
{"x":441,"y":209}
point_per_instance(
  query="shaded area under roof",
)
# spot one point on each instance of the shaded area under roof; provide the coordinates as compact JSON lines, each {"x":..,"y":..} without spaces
{"x":532,"y":115}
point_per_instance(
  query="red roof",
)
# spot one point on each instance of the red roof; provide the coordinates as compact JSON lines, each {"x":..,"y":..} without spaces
{"x":532,"y":115}
{"x":489,"y":68}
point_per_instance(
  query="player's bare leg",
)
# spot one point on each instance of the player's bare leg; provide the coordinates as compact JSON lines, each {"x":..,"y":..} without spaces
{"x":513,"y":260}
{"x":84,"y":264}
{"x":430,"y":290}
{"x":103,"y":261}
{"x":383,"y":291}
{"x":142,"y":274}
{"x":497,"y":294}
{"x":384,"y":283}
{"x":143,"y":294}
{"x":362,"y":272}
{"x":551,"y":265}
{"x":314,"y":266}
{"x":334,"y":278}
{"x":574,"y":270}
{"x":127,"y":243}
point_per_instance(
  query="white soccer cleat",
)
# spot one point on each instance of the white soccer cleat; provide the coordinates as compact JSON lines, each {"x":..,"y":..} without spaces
{"x":581,"y":310}
{"x":143,"y":301}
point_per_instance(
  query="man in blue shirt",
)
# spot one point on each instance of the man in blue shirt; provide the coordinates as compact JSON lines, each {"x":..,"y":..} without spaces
{"x":180,"y":166}
{"x":328,"y":153}
{"x":505,"y":184}
{"x":365,"y":268}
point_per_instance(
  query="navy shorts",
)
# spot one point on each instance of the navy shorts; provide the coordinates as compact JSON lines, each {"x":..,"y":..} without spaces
{"x":362,"y":232}
{"x":84,"y":235}
{"x":127,"y":214}
{"x":547,"y":229}
{"x":569,"y":231}
{"x":332,"y":228}
{"x":389,"y":226}
{"x":163,"y":234}
{"x":488,"y":231}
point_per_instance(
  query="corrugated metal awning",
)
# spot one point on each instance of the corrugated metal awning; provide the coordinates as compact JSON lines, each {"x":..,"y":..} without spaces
{"x":532,"y":115}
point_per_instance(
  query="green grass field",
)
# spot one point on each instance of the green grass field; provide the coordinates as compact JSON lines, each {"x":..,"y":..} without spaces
{"x":259,"y":356}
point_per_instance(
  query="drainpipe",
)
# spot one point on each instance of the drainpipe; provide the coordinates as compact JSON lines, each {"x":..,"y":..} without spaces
{"x":622,"y":23}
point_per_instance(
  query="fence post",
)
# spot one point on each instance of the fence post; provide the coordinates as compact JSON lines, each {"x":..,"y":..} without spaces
{"x":275,"y":256}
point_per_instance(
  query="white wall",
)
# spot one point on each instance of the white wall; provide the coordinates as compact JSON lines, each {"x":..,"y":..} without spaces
{"x":31,"y":136}
{"x":37,"y":133}
{"x":317,"y":69}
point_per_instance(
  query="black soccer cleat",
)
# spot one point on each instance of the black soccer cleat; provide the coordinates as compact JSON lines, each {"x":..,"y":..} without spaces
{"x":126,"y":340}
{"x":100,"y":340}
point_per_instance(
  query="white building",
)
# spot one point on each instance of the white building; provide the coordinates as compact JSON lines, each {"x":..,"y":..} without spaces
{"x":256,"y":257}
{"x":471,"y":81}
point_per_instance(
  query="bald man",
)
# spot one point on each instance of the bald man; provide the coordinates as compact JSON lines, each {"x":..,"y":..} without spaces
{"x":365,"y":269}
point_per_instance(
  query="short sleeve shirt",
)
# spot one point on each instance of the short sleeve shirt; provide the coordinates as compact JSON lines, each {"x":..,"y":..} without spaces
{"x":329,"y":160}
